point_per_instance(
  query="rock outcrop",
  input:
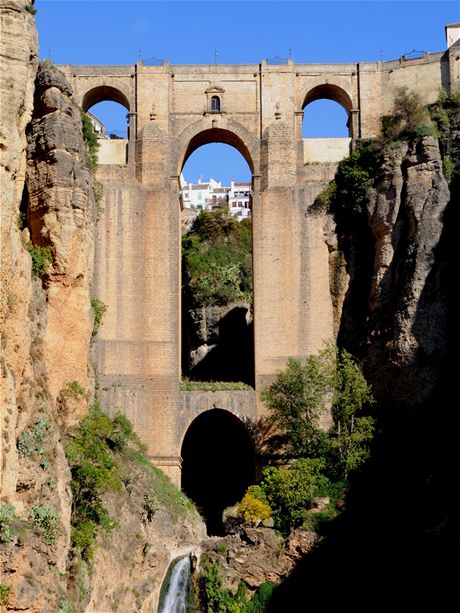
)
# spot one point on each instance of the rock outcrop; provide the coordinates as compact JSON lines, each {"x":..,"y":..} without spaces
{"x":47,"y":320}
{"x":256,"y":555}
{"x":400,"y":327}
{"x":219,"y":342}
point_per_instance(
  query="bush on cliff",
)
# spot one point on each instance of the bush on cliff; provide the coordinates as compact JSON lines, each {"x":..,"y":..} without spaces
{"x":103,"y":454}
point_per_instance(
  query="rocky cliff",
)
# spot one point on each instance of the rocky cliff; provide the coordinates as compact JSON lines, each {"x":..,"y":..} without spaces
{"x":392,"y":280}
{"x":47,"y":230}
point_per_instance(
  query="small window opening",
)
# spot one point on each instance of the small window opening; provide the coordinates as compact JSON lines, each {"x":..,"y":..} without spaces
{"x":215,"y":103}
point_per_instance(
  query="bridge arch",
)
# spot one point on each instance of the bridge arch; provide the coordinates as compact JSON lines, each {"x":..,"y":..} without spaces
{"x":218,"y":463}
{"x":104,"y":93}
{"x":329,"y":91}
{"x":233,"y":134}
{"x":334,"y":93}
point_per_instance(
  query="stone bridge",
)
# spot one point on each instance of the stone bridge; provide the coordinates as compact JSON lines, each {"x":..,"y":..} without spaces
{"x":258,"y":109}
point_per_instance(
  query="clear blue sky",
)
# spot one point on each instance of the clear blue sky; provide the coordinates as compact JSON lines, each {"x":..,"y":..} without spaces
{"x":190,"y":32}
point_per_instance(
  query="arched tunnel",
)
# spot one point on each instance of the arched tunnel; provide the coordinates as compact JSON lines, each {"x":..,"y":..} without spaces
{"x":218,"y":464}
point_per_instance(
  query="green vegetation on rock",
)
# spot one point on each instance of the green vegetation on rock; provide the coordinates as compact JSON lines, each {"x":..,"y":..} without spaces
{"x":99,"y":309}
{"x":217,"y":258}
{"x":41,"y":259}
{"x":214,"y":598}
{"x":31,"y":441}
{"x":188,"y":385}
{"x":7,"y":515}
{"x":46,"y":518}
{"x":91,"y":140}
{"x":103,"y":454}
{"x":5,"y":591}
{"x":73,"y":390}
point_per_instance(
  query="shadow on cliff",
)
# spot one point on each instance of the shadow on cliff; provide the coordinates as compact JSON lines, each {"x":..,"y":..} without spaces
{"x":393,"y":546}
{"x":232,"y":359}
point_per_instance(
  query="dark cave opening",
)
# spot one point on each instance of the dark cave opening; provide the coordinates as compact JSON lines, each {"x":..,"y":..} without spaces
{"x":218,"y":464}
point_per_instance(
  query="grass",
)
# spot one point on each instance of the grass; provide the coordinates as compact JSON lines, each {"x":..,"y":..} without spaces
{"x":214,"y":386}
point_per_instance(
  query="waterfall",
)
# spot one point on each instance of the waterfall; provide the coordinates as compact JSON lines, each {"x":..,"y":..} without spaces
{"x":177,"y":593}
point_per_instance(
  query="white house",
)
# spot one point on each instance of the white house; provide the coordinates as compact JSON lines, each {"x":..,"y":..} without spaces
{"x":238,"y":199}
{"x":203,"y":196}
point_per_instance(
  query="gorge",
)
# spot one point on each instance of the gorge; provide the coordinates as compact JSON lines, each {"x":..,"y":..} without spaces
{"x":375,"y":274}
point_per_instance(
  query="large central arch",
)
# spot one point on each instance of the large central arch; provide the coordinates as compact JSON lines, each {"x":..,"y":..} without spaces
{"x":218,"y":464}
{"x":232,"y":133}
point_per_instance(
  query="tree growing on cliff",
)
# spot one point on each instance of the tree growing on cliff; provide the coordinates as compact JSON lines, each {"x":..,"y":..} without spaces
{"x":217,"y":259}
{"x":330,"y":383}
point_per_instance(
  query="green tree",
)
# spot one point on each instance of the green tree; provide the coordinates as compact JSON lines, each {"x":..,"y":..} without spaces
{"x":330,"y":382}
{"x":217,"y":258}
{"x":350,"y":434}
{"x":298,"y":398}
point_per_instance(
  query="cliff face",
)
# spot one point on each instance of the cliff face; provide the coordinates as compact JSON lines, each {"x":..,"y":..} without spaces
{"x":394,"y":315}
{"x":47,"y":382}
{"x":46,"y":320}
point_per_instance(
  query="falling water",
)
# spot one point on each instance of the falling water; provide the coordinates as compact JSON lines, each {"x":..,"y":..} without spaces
{"x":176,"y":597}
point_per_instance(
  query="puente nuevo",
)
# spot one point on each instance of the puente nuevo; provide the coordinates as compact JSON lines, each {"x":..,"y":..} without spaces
{"x":258,"y":109}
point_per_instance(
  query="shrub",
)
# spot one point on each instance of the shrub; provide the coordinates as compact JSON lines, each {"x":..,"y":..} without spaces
{"x":6,"y":517}
{"x":215,"y":599}
{"x":254,"y":506}
{"x":94,"y":470}
{"x":261,"y":599}
{"x":4,"y":593}
{"x":21,"y":220}
{"x":41,"y":259}
{"x":150,"y":505}
{"x":73,"y":390}
{"x":31,"y":441}
{"x":409,"y":118}
{"x":323,"y":201}
{"x":30,"y":8}
{"x":99,"y":309}
{"x":47,"y":519}
{"x":291,"y":491}
{"x":91,"y":140}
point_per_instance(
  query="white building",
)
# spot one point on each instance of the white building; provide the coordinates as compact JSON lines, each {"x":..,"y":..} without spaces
{"x":203,"y":196}
{"x":238,"y":199}
{"x":213,"y":195}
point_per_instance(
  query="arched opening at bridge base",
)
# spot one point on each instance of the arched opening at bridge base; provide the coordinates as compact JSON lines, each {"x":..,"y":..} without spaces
{"x":218,"y":464}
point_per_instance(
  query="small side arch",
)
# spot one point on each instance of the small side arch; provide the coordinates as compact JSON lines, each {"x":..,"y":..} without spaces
{"x":328,"y":91}
{"x":337,"y":94}
{"x":104,"y":93}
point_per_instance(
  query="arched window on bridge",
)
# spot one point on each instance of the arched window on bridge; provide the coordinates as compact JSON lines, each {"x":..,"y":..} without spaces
{"x":217,"y":314}
{"x":108,"y":110}
{"x":215,"y":104}
{"x":218,"y":464}
{"x":326,"y":126}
